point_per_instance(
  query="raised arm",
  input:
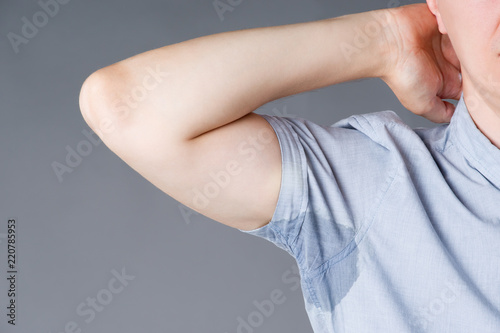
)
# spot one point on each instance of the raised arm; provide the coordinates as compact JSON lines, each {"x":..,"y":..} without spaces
{"x":213,"y":80}
{"x":180,"y":115}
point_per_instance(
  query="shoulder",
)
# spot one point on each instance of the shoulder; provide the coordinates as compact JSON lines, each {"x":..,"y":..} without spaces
{"x":369,"y":135}
{"x":380,"y":128}
{"x":367,"y":123}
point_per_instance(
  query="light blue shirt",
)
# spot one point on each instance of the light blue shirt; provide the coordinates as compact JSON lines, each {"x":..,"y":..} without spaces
{"x":393,"y":229}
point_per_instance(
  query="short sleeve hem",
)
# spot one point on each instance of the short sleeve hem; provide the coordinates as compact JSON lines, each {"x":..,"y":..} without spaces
{"x":287,"y":219}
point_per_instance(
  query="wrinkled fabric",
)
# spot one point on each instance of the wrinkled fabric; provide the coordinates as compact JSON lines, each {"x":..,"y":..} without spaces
{"x":393,"y":229}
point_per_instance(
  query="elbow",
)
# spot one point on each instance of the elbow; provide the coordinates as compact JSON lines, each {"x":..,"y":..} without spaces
{"x":96,"y":94}
{"x":90,"y":98}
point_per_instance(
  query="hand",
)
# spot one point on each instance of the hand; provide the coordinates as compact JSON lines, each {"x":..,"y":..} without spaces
{"x":425,"y":69}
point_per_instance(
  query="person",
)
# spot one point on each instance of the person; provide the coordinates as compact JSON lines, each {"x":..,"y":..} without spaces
{"x":393,"y":229}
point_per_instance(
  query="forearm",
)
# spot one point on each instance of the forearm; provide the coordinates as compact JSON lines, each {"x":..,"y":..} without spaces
{"x":216,"y":79}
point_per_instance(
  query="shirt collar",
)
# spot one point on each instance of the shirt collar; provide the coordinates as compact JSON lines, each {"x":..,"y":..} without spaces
{"x":475,"y":146}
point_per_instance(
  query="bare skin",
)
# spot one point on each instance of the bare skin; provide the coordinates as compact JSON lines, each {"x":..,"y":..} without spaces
{"x":194,"y":135}
{"x":472,"y":26}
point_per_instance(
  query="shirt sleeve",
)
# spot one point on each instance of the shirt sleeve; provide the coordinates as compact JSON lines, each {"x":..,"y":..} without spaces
{"x":332,"y":179}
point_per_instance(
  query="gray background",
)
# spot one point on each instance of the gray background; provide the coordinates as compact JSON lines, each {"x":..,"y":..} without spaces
{"x":192,"y":274}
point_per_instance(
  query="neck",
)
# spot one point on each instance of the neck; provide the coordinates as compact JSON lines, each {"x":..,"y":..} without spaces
{"x":484,"y":111}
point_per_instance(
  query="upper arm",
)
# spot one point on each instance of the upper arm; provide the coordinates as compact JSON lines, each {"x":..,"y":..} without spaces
{"x":231,"y":174}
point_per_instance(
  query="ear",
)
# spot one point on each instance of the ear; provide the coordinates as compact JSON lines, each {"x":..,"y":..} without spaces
{"x":433,"y":7}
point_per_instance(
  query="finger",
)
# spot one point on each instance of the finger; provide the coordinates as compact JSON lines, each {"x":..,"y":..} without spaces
{"x":439,"y":111}
{"x":452,"y":83}
{"x":449,"y":52}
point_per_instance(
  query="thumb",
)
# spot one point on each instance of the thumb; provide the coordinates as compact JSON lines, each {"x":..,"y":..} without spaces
{"x":439,"y":111}
{"x":449,"y":52}
{"x":452,"y":83}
